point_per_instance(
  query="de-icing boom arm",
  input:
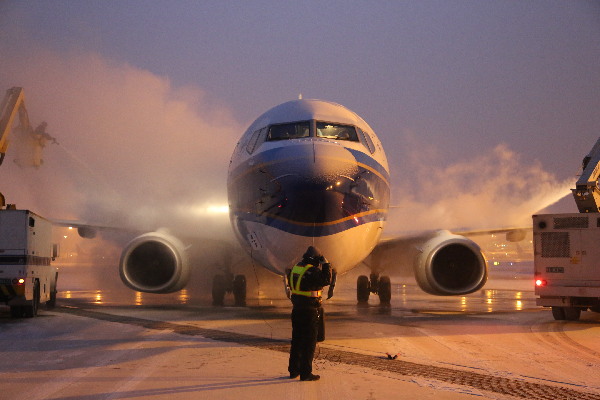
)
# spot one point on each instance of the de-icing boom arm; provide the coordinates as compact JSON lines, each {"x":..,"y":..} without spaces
{"x":587,"y":192}
{"x":13,"y":102}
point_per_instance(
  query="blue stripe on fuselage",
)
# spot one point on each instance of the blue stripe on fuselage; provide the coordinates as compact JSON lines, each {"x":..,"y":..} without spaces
{"x":314,"y":230}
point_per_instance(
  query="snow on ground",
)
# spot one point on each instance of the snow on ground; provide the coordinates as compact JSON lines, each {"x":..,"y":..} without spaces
{"x":82,"y":358}
{"x":498,"y":333}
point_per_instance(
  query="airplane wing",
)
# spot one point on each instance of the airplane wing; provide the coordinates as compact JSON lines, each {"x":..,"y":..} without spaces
{"x":160,"y":261}
{"x":88,"y":230}
{"x":515,"y":234}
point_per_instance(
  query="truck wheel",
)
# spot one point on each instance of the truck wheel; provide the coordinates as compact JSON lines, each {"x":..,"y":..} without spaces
{"x":32,"y":309}
{"x":558,"y":313}
{"x":572,"y":313}
{"x":52,"y":302}
{"x":16,"y":311}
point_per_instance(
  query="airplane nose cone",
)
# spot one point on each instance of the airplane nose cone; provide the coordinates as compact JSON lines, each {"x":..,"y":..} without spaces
{"x":321,"y":184}
{"x":317,"y":186}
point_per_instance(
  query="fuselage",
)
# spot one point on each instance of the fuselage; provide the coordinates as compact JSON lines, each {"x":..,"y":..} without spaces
{"x":308,"y":173}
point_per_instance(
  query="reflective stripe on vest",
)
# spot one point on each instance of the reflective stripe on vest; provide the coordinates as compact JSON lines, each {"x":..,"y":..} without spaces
{"x":295,"y":279}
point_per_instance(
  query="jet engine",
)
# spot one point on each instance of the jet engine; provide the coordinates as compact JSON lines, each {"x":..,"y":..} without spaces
{"x":450,"y":264}
{"x":155,"y":262}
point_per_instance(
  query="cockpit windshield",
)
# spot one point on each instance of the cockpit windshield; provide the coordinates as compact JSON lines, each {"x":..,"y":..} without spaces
{"x":289,"y":131}
{"x":326,"y":130}
{"x":336,"y":131}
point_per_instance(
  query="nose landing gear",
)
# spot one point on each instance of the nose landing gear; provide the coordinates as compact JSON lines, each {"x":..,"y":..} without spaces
{"x":381,"y":286}
{"x":227,"y":283}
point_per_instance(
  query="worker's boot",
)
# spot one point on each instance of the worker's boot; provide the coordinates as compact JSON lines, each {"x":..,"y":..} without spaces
{"x":310,"y":377}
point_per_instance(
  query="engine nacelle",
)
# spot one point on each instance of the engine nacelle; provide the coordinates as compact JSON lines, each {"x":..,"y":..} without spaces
{"x":450,"y":264}
{"x":155,"y":262}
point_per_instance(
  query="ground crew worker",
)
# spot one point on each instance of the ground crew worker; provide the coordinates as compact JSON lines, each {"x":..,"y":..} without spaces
{"x":306,"y":281}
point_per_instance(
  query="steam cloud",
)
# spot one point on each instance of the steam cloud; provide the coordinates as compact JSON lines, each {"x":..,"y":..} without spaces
{"x":133,"y":149}
{"x":496,"y":188}
{"x":136,"y":150}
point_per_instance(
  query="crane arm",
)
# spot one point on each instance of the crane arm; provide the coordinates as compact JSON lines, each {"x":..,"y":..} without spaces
{"x":13,"y":103}
{"x":587,"y":192}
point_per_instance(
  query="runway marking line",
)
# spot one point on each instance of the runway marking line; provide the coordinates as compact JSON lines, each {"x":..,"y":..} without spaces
{"x":506,"y":386}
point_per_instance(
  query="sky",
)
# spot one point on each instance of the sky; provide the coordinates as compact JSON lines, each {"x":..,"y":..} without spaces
{"x":485,"y":108}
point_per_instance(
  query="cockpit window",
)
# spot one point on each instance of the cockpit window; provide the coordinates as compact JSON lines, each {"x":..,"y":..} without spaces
{"x":289,"y":131}
{"x":254,"y":139}
{"x":336,"y":131}
{"x":367,"y":141}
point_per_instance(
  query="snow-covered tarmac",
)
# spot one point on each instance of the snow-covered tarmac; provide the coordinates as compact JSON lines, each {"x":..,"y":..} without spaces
{"x":495,"y":344}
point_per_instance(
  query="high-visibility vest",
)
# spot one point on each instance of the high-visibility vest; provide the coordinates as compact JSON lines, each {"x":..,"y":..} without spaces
{"x":295,"y":279}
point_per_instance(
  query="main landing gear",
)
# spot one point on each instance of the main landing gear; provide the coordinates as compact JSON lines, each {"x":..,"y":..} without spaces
{"x":381,"y":286}
{"x":227,"y":283}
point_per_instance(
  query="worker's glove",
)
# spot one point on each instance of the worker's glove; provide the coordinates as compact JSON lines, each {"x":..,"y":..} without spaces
{"x":332,"y":285}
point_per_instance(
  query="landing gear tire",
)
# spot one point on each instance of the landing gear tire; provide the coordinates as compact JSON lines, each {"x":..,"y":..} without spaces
{"x":572,"y":313}
{"x":239,"y":290}
{"x":385,"y":290}
{"x":218,"y":290}
{"x":362,"y":289}
{"x":558,"y":313}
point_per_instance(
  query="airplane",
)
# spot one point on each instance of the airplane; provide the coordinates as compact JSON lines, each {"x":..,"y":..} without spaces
{"x":313,"y":173}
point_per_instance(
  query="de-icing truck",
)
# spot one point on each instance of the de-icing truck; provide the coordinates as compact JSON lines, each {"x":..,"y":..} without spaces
{"x":27,"y":277}
{"x":26,"y":249}
{"x":567,"y":249}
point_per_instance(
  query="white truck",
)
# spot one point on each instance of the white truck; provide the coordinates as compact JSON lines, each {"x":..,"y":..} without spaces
{"x":567,"y":250}
{"x":27,"y":277}
{"x":26,"y":249}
